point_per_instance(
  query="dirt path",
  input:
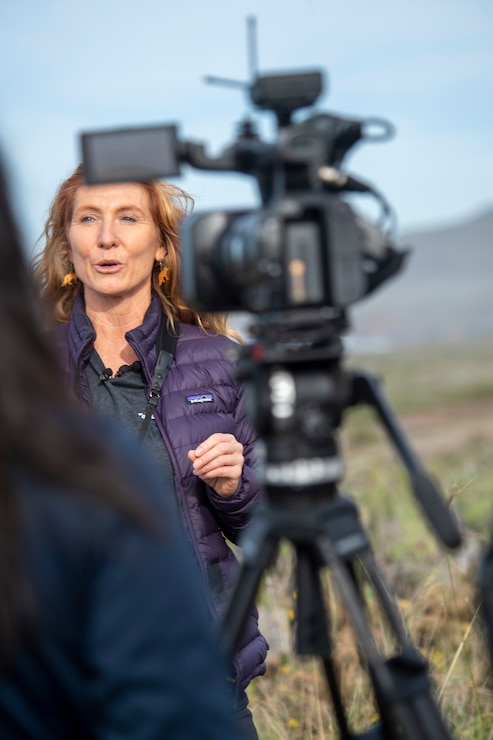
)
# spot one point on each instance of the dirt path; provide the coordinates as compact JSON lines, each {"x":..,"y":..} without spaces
{"x":445,"y":429}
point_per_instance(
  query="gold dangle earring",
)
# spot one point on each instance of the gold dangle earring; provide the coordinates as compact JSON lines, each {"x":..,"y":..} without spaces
{"x":163,"y":275}
{"x":70,"y":277}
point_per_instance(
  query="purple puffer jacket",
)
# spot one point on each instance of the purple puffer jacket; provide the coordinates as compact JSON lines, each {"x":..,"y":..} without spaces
{"x":199,"y":367}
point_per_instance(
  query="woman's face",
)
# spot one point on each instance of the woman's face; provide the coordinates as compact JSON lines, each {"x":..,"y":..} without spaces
{"x":114,"y":241}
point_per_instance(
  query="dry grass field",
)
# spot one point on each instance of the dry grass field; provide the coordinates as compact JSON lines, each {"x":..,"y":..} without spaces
{"x":444,"y":399}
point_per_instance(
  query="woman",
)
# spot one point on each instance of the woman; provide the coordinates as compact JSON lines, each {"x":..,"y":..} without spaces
{"x":104,"y":628}
{"x":110,"y":270}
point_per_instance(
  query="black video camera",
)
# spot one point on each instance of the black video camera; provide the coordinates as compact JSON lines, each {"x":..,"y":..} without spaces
{"x":305,"y":247}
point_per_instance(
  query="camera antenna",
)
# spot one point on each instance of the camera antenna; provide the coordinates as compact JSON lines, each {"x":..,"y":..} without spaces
{"x":282,"y":93}
{"x":252,"y":60}
{"x":252,"y":46}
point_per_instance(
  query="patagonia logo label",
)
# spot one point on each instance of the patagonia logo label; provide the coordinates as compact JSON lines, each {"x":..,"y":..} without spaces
{"x":200,"y":398}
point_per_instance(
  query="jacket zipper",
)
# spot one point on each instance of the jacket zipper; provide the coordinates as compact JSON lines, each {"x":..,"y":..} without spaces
{"x":179,"y":488}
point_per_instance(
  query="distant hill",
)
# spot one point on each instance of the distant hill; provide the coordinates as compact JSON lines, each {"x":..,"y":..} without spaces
{"x":444,"y":293}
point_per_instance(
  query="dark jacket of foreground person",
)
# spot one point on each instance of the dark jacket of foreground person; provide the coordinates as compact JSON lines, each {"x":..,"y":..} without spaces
{"x":119,"y":644}
{"x":200,"y":368}
{"x":486,"y":593}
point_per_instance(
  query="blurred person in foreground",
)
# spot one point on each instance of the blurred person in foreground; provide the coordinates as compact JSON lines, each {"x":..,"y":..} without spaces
{"x":104,"y":628}
{"x":486,"y":593}
{"x":110,"y":274}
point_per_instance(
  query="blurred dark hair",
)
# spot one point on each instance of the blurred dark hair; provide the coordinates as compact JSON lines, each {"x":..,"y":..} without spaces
{"x":37,"y":430}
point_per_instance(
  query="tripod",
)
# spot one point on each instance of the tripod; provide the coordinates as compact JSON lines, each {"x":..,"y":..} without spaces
{"x":303,"y":505}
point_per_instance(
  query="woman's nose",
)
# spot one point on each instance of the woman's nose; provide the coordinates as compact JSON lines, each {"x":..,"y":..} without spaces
{"x":108,"y":236}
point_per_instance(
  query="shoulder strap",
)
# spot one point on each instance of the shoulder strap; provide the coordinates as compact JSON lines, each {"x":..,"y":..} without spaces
{"x":165,"y":340}
{"x":165,"y":351}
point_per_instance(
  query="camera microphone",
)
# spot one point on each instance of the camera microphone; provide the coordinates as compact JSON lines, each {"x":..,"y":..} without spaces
{"x":338,"y":180}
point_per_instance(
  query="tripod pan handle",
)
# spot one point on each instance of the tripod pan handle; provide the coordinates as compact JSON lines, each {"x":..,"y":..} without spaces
{"x":434,"y":506}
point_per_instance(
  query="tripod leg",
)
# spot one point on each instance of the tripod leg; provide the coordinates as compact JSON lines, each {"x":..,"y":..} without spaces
{"x":421,"y":718}
{"x":313,"y":636}
{"x":419,"y":714}
{"x":402,"y":686}
{"x":352,"y":602}
{"x":393,"y":615}
{"x":259,"y":548}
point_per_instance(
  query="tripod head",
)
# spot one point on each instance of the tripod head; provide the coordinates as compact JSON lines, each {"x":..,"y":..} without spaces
{"x":298,"y":393}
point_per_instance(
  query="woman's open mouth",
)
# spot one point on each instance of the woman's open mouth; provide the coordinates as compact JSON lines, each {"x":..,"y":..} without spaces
{"x":108,"y":266}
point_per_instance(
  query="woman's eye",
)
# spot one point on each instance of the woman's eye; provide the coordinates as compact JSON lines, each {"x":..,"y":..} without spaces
{"x":132,"y":219}
{"x":86,"y":219}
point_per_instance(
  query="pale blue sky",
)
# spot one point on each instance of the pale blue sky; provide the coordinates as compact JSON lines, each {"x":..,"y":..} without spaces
{"x":426,"y":65}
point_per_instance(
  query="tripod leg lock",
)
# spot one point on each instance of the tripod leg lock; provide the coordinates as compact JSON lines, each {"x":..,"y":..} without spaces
{"x":409,"y":673}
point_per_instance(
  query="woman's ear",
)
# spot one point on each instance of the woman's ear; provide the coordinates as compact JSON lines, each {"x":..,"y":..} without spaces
{"x":161,"y":253}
